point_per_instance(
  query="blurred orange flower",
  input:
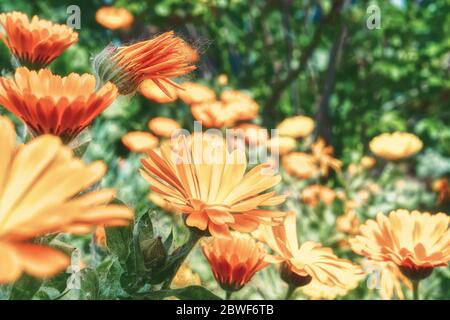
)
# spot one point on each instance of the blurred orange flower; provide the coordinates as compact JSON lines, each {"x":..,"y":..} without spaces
{"x":213,"y":114}
{"x":40,"y":183}
{"x":323,"y":155}
{"x":208,"y":183}
{"x":48,"y":103}
{"x":368,"y":162}
{"x":388,"y":278}
{"x":114,"y":18}
{"x":222,"y":79}
{"x":234,"y":261}
{"x":194,"y":93}
{"x":416,"y":242}
{"x":140,"y":141}
{"x":34,"y":43}
{"x":395,"y":146}
{"x":163,"y":127}
{"x":310,"y":261}
{"x":159,"y":59}
{"x":316,"y":193}
{"x":240,"y":104}
{"x":252,"y":133}
{"x":300,"y":165}
{"x":282,"y":145}
{"x":348,"y":223}
{"x":296,"y":127}
{"x":151,"y":91}
{"x":442,"y":188}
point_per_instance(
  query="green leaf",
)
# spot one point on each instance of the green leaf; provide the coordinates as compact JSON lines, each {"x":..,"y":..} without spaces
{"x":118,"y":240}
{"x":25,"y":288}
{"x":188,"y":293}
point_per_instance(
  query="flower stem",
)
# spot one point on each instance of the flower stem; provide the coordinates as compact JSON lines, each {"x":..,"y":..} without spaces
{"x":416,"y":289}
{"x":289,"y":292}
{"x":228,"y":295}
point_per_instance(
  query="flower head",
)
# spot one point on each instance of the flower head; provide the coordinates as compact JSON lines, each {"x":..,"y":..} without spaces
{"x":281,"y":145}
{"x":50,"y":104}
{"x":163,"y":127}
{"x":395,"y":146}
{"x":151,"y":91}
{"x":442,"y":188}
{"x":213,"y":114}
{"x":34,"y":43}
{"x":301,"y":264}
{"x":316,"y":193}
{"x":40,"y":183}
{"x":416,"y":242}
{"x":195,"y":93}
{"x":324,"y":157}
{"x":159,"y":59}
{"x":208,"y":183}
{"x":300,"y":165}
{"x":240,"y":104}
{"x":234,"y":261}
{"x":140,"y":141}
{"x":114,"y":18}
{"x":252,"y":133}
{"x":296,"y":127}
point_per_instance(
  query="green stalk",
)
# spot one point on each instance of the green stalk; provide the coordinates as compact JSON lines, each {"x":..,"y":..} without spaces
{"x":289,"y":292}
{"x":416,"y":289}
{"x":228,"y":295}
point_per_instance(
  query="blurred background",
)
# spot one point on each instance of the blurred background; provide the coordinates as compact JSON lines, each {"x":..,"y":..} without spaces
{"x":322,"y":59}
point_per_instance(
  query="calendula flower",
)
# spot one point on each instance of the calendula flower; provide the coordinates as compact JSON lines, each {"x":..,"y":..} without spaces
{"x":114,"y":18}
{"x":300,"y":165}
{"x":208,"y":183}
{"x":416,"y":242}
{"x":159,"y":59}
{"x":281,"y":145}
{"x":151,"y":91}
{"x":159,"y":201}
{"x":300,"y":264}
{"x":193,"y":93}
{"x":324,"y":156}
{"x":213,"y":114}
{"x":40,"y":183}
{"x":252,"y":133}
{"x":395,"y":146}
{"x":34,"y":43}
{"x":442,"y":188}
{"x":163,"y":127}
{"x":241,"y":105}
{"x":368,"y":162}
{"x":50,"y":104}
{"x":185,"y":277}
{"x":234,"y":261}
{"x":348,"y":223}
{"x":222,"y":79}
{"x":387,"y":278}
{"x":296,"y":127}
{"x":316,"y":193}
{"x":140,"y":141}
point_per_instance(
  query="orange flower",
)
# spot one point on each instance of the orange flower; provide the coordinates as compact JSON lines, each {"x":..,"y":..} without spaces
{"x":158,"y":59}
{"x":416,"y":242}
{"x":151,"y":91}
{"x":442,"y":188}
{"x":222,"y":79}
{"x":48,"y":103}
{"x":139,"y":141}
{"x":40,"y":186}
{"x":323,"y":155}
{"x":281,"y":145}
{"x":163,"y":127}
{"x":252,"y":133}
{"x":208,"y":183}
{"x":368,"y":162}
{"x":386,"y":277}
{"x":243,"y":106}
{"x":307,"y":262}
{"x":234,"y":261}
{"x":300,"y":165}
{"x":312,"y":194}
{"x":213,"y":114}
{"x":348,"y":223}
{"x":395,"y":146}
{"x":195,"y":93}
{"x":296,"y":127}
{"x":34,"y":43}
{"x":114,"y":18}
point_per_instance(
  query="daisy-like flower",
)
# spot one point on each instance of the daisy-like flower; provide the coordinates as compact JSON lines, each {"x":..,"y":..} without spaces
{"x":114,"y":18}
{"x":313,"y":194}
{"x":40,"y":183}
{"x":242,"y":105}
{"x":252,"y":133}
{"x":368,"y":162}
{"x":151,"y":91}
{"x":395,"y":146}
{"x":234,"y":261}
{"x":34,"y":43}
{"x":300,"y":165}
{"x":159,"y":59}
{"x":300,"y":264}
{"x":163,"y":127}
{"x":416,"y":242}
{"x":213,"y":114}
{"x":140,"y":141}
{"x":324,"y":157}
{"x":281,"y":145}
{"x":193,"y":93}
{"x":387,"y":278}
{"x":50,"y":104}
{"x":296,"y":127}
{"x":222,"y":79}
{"x":208,"y":183}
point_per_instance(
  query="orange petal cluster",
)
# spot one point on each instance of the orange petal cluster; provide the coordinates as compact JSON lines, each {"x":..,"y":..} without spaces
{"x":114,"y":18}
